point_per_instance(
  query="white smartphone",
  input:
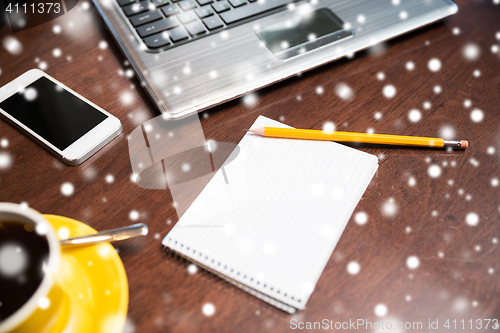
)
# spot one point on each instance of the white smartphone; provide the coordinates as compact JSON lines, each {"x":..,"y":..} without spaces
{"x":65,"y":123}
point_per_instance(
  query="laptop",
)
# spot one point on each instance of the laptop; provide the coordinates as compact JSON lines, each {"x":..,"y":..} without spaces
{"x":191,"y":55}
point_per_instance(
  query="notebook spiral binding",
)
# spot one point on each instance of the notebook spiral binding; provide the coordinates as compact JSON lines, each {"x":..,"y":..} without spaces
{"x":272,"y":301}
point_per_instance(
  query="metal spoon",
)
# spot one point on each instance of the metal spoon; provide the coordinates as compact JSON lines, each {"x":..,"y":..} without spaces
{"x":112,"y":235}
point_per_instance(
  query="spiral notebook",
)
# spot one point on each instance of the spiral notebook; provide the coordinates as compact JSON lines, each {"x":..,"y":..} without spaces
{"x":269,"y":221}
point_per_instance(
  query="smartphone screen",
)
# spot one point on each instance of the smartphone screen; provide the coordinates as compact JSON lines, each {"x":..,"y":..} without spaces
{"x":53,"y":113}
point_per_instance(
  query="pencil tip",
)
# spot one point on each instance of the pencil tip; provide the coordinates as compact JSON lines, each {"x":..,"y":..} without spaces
{"x":246,"y":130}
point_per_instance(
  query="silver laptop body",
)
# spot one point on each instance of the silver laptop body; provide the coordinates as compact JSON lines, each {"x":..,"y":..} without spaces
{"x":236,"y":60}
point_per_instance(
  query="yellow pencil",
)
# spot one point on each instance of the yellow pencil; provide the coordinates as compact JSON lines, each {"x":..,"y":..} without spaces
{"x":292,"y":133}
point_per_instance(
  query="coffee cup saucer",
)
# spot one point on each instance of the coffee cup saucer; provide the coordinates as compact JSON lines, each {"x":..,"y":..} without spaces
{"x":94,"y":279}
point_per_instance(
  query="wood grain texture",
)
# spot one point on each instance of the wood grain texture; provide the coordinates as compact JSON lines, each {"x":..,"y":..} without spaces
{"x":409,"y":212}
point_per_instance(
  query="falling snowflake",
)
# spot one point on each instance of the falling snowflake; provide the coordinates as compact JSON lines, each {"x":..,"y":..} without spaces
{"x":63,"y":233}
{"x":133,"y":215}
{"x":103,"y":45}
{"x":192,"y":269}
{"x":414,"y":115}
{"x":471,"y":52}
{"x":434,"y":65}
{"x":437,"y":89}
{"x":13,"y":260}
{"x":89,"y":173}
{"x":380,"y":310}
{"x":208,"y":309}
{"x":126,"y":98}
{"x":389,"y":208}
{"x":472,"y":219}
{"x":67,"y":189}
{"x":110,"y":179}
{"x":434,"y":171}
{"x":361,"y":218}
{"x":412,"y":262}
{"x":56,"y":29}
{"x":344,"y":91}
{"x":377,"y":115}
{"x":477,"y":115}
{"x":30,"y":94}
{"x":467,"y":103}
{"x":353,"y":268}
{"x":389,"y":91}
{"x":328,"y":127}
{"x":380,"y":76}
{"x":250,"y":99}
{"x":403,"y":15}
{"x":494,"y":182}
{"x":320,"y":90}
{"x":410,"y":65}
{"x":4,"y":143}
{"x":56,"y":52}
{"x":361,"y":19}
{"x":12,"y":45}
{"x":447,"y":132}
{"x":412,"y":182}
{"x":474,"y":162}
{"x":44,"y":303}
{"x":460,"y":305}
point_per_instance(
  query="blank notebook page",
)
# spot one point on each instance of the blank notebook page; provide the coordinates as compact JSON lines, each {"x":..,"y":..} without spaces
{"x":269,"y":220}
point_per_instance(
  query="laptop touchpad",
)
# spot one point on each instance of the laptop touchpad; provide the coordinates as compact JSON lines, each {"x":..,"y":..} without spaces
{"x":303,"y":33}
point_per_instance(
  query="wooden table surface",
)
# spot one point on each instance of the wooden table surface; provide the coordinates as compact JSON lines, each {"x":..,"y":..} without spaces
{"x":422,"y":204}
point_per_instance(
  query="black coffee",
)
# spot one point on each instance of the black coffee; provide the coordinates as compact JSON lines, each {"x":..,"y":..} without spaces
{"x":22,"y":253}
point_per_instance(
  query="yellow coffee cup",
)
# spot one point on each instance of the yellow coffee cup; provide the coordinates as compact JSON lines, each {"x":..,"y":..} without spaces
{"x":31,"y":297}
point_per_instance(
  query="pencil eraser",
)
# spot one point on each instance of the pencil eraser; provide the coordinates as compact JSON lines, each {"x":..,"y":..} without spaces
{"x":464,"y":143}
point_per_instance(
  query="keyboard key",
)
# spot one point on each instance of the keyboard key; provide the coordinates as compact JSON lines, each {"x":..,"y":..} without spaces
{"x":160,"y":3}
{"x":144,"y":18}
{"x":187,"y":17}
{"x":221,"y":6}
{"x":237,"y":3}
{"x":195,"y":28}
{"x":238,"y":14}
{"x":136,"y":8}
{"x":187,"y":4}
{"x":177,"y":34}
{"x":157,"y":26}
{"x":213,"y":22}
{"x":170,"y":10}
{"x":157,"y":40}
{"x":205,"y":11}
{"x":204,"y":2}
{"x":125,"y":2}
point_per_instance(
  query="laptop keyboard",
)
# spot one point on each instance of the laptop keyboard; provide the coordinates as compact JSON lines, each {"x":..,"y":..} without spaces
{"x":166,"y":23}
